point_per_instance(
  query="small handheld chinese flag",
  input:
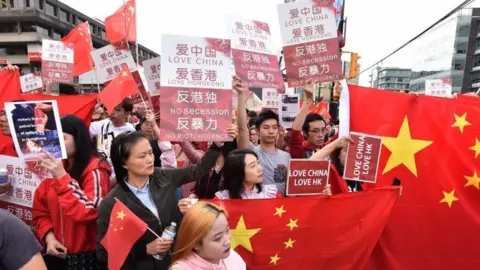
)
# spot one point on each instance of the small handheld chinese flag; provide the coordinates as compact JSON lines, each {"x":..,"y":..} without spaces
{"x":81,"y":39}
{"x":125,"y":228}
{"x":121,"y":87}
{"x":122,"y":25}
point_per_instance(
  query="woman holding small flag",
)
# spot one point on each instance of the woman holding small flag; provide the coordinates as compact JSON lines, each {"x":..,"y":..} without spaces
{"x":143,"y":199}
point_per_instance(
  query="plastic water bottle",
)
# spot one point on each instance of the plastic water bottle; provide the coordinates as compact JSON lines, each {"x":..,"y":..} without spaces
{"x":3,"y":176}
{"x":169,"y":233}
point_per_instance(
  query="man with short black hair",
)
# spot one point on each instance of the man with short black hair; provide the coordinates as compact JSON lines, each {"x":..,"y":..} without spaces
{"x":273,"y":160}
{"x":19,"y":249}
{"x":312,"y":125}
{"x":106,"y":130}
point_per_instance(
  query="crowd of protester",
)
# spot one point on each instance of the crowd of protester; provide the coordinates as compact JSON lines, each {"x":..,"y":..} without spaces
{"x":116,"y":158}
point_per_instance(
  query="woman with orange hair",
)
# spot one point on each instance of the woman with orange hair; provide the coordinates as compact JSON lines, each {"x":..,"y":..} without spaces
{"x":203,"y":241}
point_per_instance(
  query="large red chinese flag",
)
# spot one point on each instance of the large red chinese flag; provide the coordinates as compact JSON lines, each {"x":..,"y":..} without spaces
{"x":9,"y":86}
{"x":314,"y":232}
{"x":122,"y":25}
{"x":124,"y":229}
{"x":118,"y":89}
{"x":9,"y":90}
{"x":81,"y":38}
{"x":432,"y":145}
{"x":80,"y":105}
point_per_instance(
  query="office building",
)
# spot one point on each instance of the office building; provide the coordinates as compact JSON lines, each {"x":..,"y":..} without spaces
{"x":24,"y":23}
{"x":451,"y":50}
{"x":390,"y":78}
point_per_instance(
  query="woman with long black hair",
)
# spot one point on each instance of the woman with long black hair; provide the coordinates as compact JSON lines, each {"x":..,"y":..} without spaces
{"x":243,"y":177}
{"x":65,"y":206}
{"x":149,"y":193}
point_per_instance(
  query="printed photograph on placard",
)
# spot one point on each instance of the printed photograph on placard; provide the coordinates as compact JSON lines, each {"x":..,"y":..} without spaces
{"x":35,"y":127}
{"x":288,"y":109}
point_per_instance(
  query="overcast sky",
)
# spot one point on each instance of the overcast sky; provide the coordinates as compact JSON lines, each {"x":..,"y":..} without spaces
{"x":375,"y":27}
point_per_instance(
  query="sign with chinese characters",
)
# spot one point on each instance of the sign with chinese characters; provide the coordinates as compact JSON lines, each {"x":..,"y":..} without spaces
{"x":57,"y":61}
{"x":23,"y":183}
{"x":438,"y":87}
{"x":270,"y":98}
{"x":196,"y":83}
{"x":196,"y":62}
{"x":142,"y":95}
{"x":109,"y":61}
{"x":30,"y":82}
{"x":307,"y":177}
{"x":253,"y":54}
{"x":310,"y":44}
{"x":363,"y":157}
{"x":151,"y":69}
{"x":288,"y":109}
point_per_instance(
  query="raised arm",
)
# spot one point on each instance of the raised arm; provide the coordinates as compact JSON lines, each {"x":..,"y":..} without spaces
{"x":302,"y":114}
{"x":191,"y":173}
{"x":331,"y":147}
{"x":243,"y":139}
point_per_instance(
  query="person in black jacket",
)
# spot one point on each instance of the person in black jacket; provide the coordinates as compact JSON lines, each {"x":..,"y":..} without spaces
{"x":148,"y":192}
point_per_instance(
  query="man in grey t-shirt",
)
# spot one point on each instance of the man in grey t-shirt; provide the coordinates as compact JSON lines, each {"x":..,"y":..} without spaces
{"x":19,"y":249}
{"x":274,"y":165}
{"x":273,"y":160}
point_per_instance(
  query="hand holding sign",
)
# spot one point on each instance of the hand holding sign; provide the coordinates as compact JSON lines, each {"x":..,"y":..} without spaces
{"x":233,"y":131}
{"x":308,"y":89}
{"x":55,"y":166}
{"x":362,"y":159}
{"x":237,"y":85}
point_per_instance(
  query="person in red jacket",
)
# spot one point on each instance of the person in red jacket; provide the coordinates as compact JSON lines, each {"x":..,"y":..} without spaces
{"x":65,"y":206}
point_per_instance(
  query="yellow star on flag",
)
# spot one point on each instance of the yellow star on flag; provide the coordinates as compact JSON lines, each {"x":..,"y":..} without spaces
{"x":279,"y":211}
{"x":241,"y":235}
{"x":81,"y":33}
{"x":449,"y":198}
{"x":121,"y":215}
{"x":476,"y":147}
{"x":473,"y":180}
{"x":289,"y":243}
{"x":292,"y":224}
{"x":461,"y":122}
{"x":132,"y":9}
{"x":403,"y":149}
{"x":124,"y":74}
{"x":274,"y":259}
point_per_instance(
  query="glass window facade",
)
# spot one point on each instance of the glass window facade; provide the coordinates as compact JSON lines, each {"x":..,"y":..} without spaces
{"x":50,"y":9}
{"x":442,"y":52}
{"x":64,"y":16}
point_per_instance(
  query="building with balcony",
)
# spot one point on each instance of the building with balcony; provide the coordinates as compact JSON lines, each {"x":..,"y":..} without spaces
{"x":392,"y":78}
{"x":451,"y":50}
{"x":24,"y":23}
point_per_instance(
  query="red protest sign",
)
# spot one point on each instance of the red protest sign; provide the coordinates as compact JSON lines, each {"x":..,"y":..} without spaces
{"x":307,"y":177}
{"x":362,"y":158}
{"x":195,"y":114}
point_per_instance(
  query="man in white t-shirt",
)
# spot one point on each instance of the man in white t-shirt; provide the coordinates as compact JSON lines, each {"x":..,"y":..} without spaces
{"x":106,"y":130}
{"x":103,"y":132}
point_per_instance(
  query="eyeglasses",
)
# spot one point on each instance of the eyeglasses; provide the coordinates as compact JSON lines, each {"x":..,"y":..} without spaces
{"x":316,"y":131}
